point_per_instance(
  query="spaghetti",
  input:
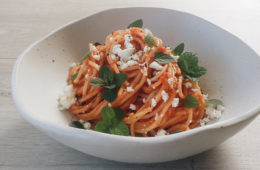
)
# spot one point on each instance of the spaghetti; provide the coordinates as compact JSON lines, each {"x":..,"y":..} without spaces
{"x":152,"y":97}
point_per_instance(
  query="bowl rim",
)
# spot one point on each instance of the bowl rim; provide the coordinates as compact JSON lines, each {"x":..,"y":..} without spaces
{"x":50,"y":126}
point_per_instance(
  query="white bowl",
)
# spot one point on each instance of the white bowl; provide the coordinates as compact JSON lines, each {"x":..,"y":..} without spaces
{"x":233,"y":75}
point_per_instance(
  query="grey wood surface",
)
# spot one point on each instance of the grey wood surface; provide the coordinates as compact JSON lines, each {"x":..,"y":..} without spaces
{"x":24,"y":147}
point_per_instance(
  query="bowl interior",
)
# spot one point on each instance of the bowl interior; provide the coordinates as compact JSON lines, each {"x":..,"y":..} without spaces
{"x":233,"y":68}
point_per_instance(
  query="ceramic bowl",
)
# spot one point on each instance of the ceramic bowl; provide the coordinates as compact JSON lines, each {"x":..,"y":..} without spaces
{"x":233,"y":76}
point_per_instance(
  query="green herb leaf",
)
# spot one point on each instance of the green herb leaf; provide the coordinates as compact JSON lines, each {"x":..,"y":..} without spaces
{"x":97,"y":43}
{"x":188,"y":62}
{"x":120,"y":129}
{"x":86,"y":56}
{"x":106,"y":74}
{"x":214,"y":102}
{"x":97,"y":82}
{"x":176,"y":132}
{"x":119,"y":113}
{"x":178,"y":50}
{"x":120,"y":78}
{"x":74,"y":76}
{"x":191,"y":102}
{"x":112,"y":86}
{"x":109,"y":95}
{"x":111,"y":122}
{"x":137,"y":23}
{"x":149,"y":40}
{"x":163,"y":58}
{"x":77,"y":124}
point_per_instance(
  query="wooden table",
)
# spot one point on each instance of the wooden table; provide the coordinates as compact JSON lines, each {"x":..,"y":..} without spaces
{"x":24,"y":147}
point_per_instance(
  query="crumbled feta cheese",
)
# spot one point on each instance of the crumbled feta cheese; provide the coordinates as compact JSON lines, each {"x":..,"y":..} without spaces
{"x":67,"y":98}
{"x":194,"y":90}
{"x":125,"y":54}
{"x":156,"y":116}
{"x":148,"y":81}
{"x":113,"y":57}
{"x":147,"y":32}
{"x":134,"y":57}
{"x":161,"y":132}
{"x":86,"y":76}
{"x":116,"y":48}
{"x":205,"y":96}
{"x":144,"y":100}
{"x":158,"y":42}
{"x":127,"y":43}
{"x":170,"y":80}
{"x":131,"y":63}
{"x":164,"y":96}
{"x":129,"y":89}
{"x":188,"y":84}
{"x":139,"y":53}
{"x":109,"y":104}
{"x":146,"y":48}
{"x":81,"y":121}
{"x":175,"y":102}
{"x":96,"y":57}
{"x":132,"y":107}
{"x":87,"y":125}
{"x":220,"y":108}
{"x":175,"y":57}
{"x":156,"y":66}
{"x":212,"y":113}
{"x":123,"y":66}
{"x":94,"y":48}
{"x":153,"y":104}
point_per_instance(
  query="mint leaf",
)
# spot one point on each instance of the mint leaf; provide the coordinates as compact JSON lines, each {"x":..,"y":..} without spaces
{"x":188,"y":63}
{"x":102,"y":127}
{"x":176,"y":132}
{"x":97,"y":43}
{"x":112,"y":86}
{"x":119,"y":113}
{"x":120,"y":78}
{"x":108,"y":115}
{"x":106,"y":74}
{"x":74,"y":76}
{"x":86,"y":56}
{"x":109,"y":94}
{"x":137,"y":23}
{"x":77,"y":124}
{"x":97,"y":82}
{"x":178,"y":50}
{"x":163,"y":58}
{"x":120,"y":129}
{"x":191,"y":102}
{"x":149,"y":40}
{"x":214,"y":102}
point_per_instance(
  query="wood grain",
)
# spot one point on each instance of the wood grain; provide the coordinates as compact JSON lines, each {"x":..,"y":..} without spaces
{"x":24,"y":147}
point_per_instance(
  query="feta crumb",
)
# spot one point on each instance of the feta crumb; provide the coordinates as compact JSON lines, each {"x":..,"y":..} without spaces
{"x":96,"y":57}
{"x":67,"y":98}
{"x":188,"y":84}
{"x":81,"y":121}
{"x":132,"y":107}
{"x":161,"y":132}
{"x":220,"y":108}
{"x":139,"y":53}
{"x":94,"y":48}
{"x":127,"y":43}
{"x":87,"y":125}
{"x":205,"y":96}
{"x":156,"y":66}
{"x":109,"y":104}
{"x":212,"y":114}
{"x":158,"y":42}
{"x":144,"y":100}
{"x":116,"y":48}
{"x":125,"y":54}
{"x":148,"y":81}
{"x":153,"y":104}
{"x":164,"y":96}
{"x":113,"y":57}
{"x":156,"y":116}
{"x":194,"y":90}
{"x":175,"y":102}
{"x":86,"y":75}
{"x":146,"y":48}
{"x":131,"y":63}
{"x":175,"y":57}
{"x":170,"y":80}
{"x":129,"y":89}
{"x":134,"y":57}
{"x":147,"y":32}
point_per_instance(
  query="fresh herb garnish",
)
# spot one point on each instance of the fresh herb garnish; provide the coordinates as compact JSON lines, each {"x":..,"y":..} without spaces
{"x":74,"y":76}
{"x":188,"y":63}
{"x":178,"y":50}
{"x":97,"y":43}
{"x":176,"y":132}
{"x":87,"y":55}
{"x":214,"y":102}
{"x":77,"y":124}
{"x":163,"y":58}
{"x":149,"y":40}
{"x":137,"y":23}
{"x":111,"y":122}
{"x":191,"y":102}
{"x":111,"y":82}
